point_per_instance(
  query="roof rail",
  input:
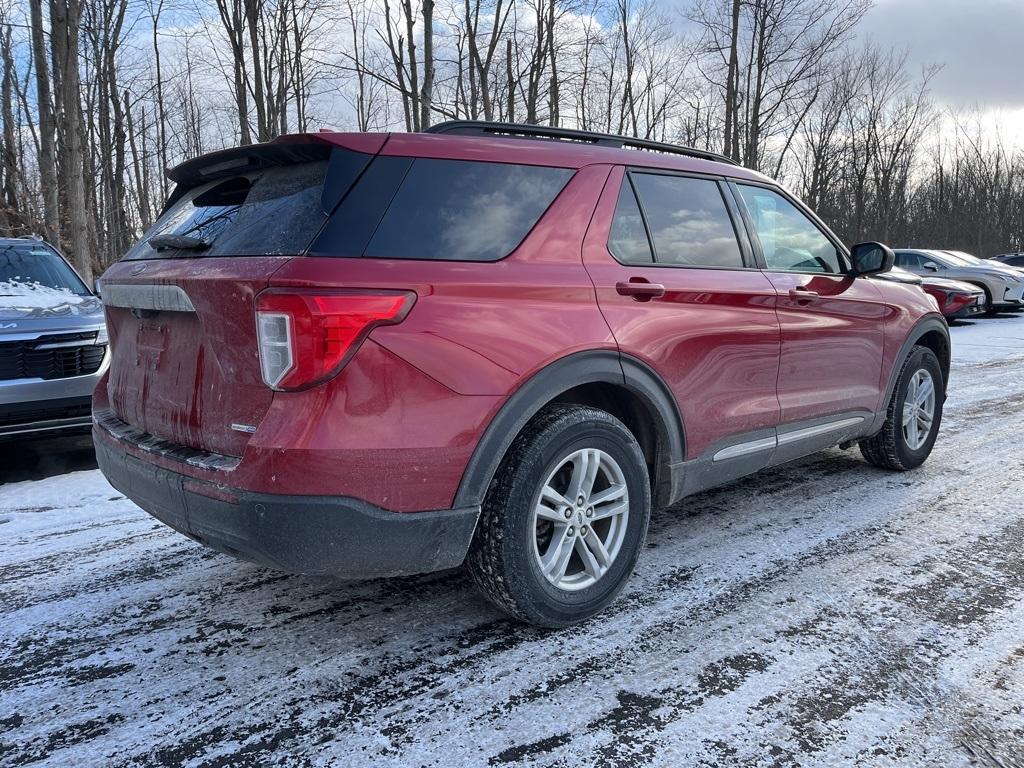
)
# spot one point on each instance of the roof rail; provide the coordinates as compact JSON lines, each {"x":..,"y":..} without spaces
{"x":482,"y":128}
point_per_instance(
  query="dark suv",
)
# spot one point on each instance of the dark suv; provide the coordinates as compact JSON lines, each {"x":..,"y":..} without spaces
{"x":381,"y":354}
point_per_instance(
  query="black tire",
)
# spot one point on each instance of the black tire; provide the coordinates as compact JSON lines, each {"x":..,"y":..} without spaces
{"x":501,"y":557}
{"x":889,"y":449}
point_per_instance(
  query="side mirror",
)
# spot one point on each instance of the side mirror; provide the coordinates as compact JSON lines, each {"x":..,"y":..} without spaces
{"x":931,"y":266}
{"x":96,"y":286}
{"x":871,"y":259}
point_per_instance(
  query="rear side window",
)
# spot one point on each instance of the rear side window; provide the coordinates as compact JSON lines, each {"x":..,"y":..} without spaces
{"x":459,"y":210}
{"x":689,"y":222}
{"x":271,"y":211}
{"x":628,"y":239}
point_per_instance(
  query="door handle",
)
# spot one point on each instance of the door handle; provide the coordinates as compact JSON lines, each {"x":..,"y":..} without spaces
{"x":803,"y":295}
{"x":639,"y":289}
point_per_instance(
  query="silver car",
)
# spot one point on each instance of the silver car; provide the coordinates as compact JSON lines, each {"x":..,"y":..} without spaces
{"x":1003,"y":286}
{"x":53,"y":341}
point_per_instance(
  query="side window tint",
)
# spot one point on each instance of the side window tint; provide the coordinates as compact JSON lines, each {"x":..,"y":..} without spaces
{"x":689,"y":222}
{"x":908,"y":260}
{"x":628,"y":239}
{"x":461,"y":210}
{"x":789,"y":240}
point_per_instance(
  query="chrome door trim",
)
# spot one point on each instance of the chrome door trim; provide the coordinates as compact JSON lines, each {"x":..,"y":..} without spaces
{"x":745,"y":449}
{"x":785,"y":438}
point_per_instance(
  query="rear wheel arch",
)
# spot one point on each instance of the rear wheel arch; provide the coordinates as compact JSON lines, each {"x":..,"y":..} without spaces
{"x":621,"y":385}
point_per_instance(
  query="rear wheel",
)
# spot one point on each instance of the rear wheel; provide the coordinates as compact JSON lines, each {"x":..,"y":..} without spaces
{"x":564,"y":519}
{"x":913,"y":417}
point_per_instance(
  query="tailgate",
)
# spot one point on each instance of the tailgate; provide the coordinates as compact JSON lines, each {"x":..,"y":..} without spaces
{"x":184,"y":361}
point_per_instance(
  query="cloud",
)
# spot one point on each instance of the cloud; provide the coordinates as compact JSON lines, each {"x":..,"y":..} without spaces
{"x":977,"y":41}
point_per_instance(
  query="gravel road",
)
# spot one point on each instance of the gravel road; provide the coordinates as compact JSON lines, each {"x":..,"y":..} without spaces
{"x":822,"y":613}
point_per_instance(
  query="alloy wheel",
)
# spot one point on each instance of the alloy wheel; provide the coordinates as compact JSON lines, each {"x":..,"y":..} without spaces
{"x":919,"y":409}
{"x":579,"y":519}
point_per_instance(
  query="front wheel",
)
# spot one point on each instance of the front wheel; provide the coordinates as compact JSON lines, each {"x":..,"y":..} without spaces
{"x":913,"y":417}
{"x":564,"y":519}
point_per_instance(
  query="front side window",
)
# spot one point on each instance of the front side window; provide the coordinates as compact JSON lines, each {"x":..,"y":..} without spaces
{"x":689,"y":222}
{"x":908,"y":260}
{"x":790,"y":241}
{"x":460,"y":210}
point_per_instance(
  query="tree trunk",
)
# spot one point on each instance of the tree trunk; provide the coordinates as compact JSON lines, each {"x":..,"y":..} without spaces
{"x":427,"y":89}
{"x":65,"y":21}
{"x":47,"y":128}
{"x":732,"y":145}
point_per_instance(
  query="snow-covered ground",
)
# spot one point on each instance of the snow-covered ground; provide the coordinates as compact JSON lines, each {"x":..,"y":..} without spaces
{"x":823,"y":613}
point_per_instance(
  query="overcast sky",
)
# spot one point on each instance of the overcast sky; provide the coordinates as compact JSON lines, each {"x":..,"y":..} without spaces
{"x":979,"y":42}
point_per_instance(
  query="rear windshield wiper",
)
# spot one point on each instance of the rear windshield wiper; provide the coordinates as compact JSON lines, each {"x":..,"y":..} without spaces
{"x":181,"y":242}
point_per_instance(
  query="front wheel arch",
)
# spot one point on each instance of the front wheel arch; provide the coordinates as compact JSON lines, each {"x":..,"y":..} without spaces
{"x":931,"y":332}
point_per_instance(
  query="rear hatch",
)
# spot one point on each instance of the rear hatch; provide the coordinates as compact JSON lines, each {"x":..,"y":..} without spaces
{"x":180,"y":305}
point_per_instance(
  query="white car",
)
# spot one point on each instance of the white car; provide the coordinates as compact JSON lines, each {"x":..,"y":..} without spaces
{"x":1003,"y":286}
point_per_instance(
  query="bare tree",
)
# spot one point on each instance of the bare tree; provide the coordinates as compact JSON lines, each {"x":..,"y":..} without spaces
{"x":47,"y":127}
{"x":65,"y":21}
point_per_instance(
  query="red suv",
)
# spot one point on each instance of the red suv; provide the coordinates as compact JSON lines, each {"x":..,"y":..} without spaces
{"x":380,"y":354}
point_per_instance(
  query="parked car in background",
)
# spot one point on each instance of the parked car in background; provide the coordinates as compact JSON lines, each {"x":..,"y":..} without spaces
{"x":984,"y":262}
{"x":53,"y":341}
{"x":1015,"y":260}
{"x":381,"y":354}
{"x":956,"y":300}
{"x":1003,"y":286}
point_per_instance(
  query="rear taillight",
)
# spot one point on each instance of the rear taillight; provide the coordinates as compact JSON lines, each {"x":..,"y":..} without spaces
{"x":305,"y":337}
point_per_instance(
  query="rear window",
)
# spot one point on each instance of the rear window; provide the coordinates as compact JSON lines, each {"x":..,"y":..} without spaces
{"x":276,"y":210}
{"x":445,"y":210}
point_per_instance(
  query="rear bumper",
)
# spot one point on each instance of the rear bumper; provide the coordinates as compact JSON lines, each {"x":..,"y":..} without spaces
{"x":335,"y":536}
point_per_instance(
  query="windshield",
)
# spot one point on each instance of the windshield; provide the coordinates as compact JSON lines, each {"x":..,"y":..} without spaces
{"x":36,"y":264}
{"x":964,"y":258}
{"x":948,"y":258}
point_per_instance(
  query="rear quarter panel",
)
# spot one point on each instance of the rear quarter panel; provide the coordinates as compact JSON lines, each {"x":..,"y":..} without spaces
{"x":398,"y":425}
{"x":482,"y":328}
